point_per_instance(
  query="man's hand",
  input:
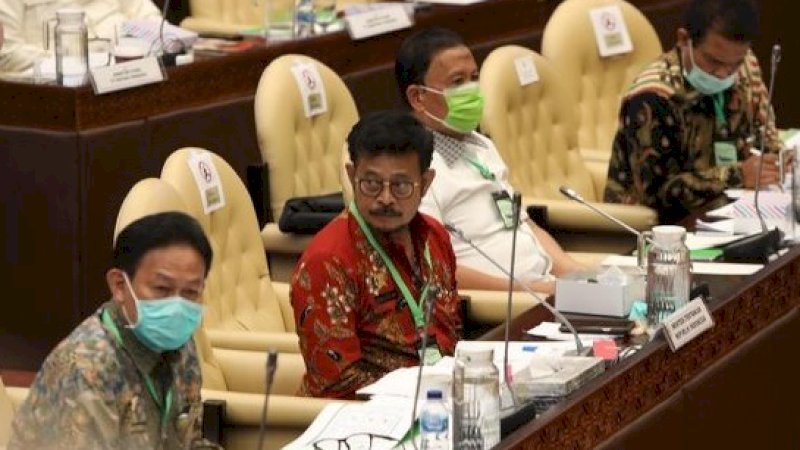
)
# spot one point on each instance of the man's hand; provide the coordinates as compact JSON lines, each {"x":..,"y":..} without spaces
{"x":769,"y":171}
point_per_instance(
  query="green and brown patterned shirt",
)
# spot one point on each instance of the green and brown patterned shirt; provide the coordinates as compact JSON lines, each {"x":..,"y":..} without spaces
{"x":90,"y":394}
{"x":664,"y":151}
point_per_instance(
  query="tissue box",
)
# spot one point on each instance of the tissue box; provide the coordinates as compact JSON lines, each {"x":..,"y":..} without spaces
{"x":581,"y":293}
{"x":547,"y":381}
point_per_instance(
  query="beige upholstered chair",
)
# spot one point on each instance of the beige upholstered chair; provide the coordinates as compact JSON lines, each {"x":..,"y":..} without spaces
{"x":148,"y":196}
{"x":238,"y":378}
{"x":302,"y":154}
{"x":10,"y":399}
{"x":224,"y":16}
{"x":245,"y":310}
{"x":598,"y":82}
{"x":534,"y":127}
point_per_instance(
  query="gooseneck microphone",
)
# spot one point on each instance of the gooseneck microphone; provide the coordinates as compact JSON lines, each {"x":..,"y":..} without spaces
{"x":516,"y":208}
{"x":429,"y":300}
{"x":641,"y":239}
{"x":272,"y":365}
{"x":580,"y":350}
{"x":759,"y":247}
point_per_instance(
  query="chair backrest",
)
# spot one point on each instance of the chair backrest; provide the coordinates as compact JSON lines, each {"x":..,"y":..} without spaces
{"x":598,"y":82}
{"x":238,"y":294}
{"x":532,"y":125}
{"x":303,"y":154}
{"x":148,"y":196}
{"x":225,"y":15}
{"x":6,"y":415}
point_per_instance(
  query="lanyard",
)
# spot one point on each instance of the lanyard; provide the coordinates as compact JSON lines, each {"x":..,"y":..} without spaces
{"x":148,"y":382}
{"x":719,"y":108}
{"x":482,"y":169}
{"x":416,"y":308}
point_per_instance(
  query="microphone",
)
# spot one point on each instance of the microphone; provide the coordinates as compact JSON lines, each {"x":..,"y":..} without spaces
{"x":641,"y":238}
{"x":759,"y":247}
{"x":272,"y":364}
{"x":430,"y":299}
{"x":516,"y":208}
{"x":579,"y":348}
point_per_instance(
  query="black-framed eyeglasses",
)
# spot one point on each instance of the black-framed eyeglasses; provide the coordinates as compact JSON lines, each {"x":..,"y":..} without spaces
{"x":357,"y":441}
{"x":400,"y":189}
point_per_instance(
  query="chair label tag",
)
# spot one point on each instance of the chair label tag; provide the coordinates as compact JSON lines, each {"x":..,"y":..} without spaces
{"x":208,"y":182}
{"x":687,"y":323}
{"x":312,"y":89}
{"x":610,"y":31}
{"x":526,"y":70}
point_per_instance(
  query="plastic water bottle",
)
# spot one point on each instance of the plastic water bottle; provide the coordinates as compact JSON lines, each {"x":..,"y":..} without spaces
{"x":279,"y":19}
{"x":476,"y":400}
{"x":72,"y":48}
{"x":668,"y":273}
{"x":305,"y":18}
{"x":435,"y":424}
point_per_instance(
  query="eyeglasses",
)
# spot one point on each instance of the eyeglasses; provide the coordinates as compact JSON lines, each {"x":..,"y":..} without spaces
{"x":373,"y":187}
{"x":357,"y":441}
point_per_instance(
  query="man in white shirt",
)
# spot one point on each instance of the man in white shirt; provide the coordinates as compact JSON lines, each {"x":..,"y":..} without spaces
{"x":25,"y":22}
{"x":437,"y":77}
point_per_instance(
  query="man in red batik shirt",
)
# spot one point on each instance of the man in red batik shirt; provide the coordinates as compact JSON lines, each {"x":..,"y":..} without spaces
{"x":361,"y":288}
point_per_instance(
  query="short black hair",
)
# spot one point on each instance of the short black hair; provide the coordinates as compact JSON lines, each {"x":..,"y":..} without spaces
{"x":416,"y":52}
{"x":390,"y":132}
{"x":159,"y":231}
{"x":735,"y":20}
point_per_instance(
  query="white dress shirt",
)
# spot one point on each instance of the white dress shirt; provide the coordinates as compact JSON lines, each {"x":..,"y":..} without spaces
{"x":461,"y":196}
{"x":23,"y":21}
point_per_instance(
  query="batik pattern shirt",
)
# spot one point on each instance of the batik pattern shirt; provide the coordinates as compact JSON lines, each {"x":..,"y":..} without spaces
{"x":663,"y":155}
{"x":90,"y":394}
{"x":354,"y":324}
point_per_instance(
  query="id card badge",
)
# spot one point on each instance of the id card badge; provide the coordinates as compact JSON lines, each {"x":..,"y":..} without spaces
{"x":505,"y":207}
{"x":431,"y":354}
{"x":725,"y":153}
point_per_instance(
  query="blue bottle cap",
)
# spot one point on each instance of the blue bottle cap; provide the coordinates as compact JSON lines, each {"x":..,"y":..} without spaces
{"x":434,"y":394}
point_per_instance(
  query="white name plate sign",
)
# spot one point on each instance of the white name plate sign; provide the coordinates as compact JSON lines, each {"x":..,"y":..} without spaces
{"x":687,"y":323}
{"x":387,"y":18}
{"x":134,"y":73}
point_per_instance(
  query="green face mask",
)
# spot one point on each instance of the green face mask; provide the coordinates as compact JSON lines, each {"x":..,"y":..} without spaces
{"x":464,"y":107}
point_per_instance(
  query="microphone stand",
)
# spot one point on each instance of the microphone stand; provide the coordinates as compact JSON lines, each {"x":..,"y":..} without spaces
{"x":429,"y":299}
{"x":579,"y":348}
{"x":516,"y":207}
{"x":272,"y":364}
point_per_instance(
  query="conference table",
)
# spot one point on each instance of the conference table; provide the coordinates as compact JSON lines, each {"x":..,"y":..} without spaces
{"x":732,"y":387}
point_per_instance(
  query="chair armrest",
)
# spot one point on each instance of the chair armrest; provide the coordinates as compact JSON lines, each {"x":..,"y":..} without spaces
{"x":17,"y":395}
{"x":282,"y":291}
{"x":595,"y":155}
{"x":203,"y":25}
{"x":570,"y":215}
{"x":588,"y":259}
{"x":276,"y":241}
{"x":259,"y":341}
{"x":489,"y":307}
{"x":244,"y":409}
{"x":245,"y":371}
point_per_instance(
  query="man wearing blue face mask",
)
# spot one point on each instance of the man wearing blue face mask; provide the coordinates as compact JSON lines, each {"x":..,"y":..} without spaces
{"x":438,"y":79}
{"x":689,"y":119}
{"x":128,"y":376}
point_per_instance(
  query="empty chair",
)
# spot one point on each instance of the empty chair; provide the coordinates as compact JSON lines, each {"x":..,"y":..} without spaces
{"x":534,"y":128}
{"x":301,"y":153}
{"x":598,"y":82}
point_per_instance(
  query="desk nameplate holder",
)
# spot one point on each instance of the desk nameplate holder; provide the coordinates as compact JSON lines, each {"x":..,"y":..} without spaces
{"x":388,"y":18}
{"x":127,"y":75}
{"x":687,"y":323}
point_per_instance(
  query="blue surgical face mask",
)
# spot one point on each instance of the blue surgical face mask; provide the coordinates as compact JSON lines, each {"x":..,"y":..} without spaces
{"x":164,"y":324}
{"x":703,"y":81}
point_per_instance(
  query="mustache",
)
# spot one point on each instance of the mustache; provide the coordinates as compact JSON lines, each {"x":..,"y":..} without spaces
{"x":385,"y":211}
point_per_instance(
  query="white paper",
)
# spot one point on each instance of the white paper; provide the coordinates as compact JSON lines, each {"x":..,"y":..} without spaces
{"x":610,"y":30}
{"x":454,"y":2}
{"x":382,"y":416}
{"x":402,"y":382}
{"x":718,"y":227}
{"x":311,"y":87}
{"x":705,"y":268}
{"x":208,"y":182}
{"x":149,"y":30}
{"x":550,"y":330}
{"x":709,"y":240}
{"x":376,"y":22}
{"x":526,"y":70}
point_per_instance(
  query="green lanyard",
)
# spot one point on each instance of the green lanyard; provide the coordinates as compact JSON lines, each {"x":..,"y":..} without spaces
{"x":482,"y":169}
{"x":416,"y":309}
{"x":719,"y":108}
{"x":148,"y":382}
